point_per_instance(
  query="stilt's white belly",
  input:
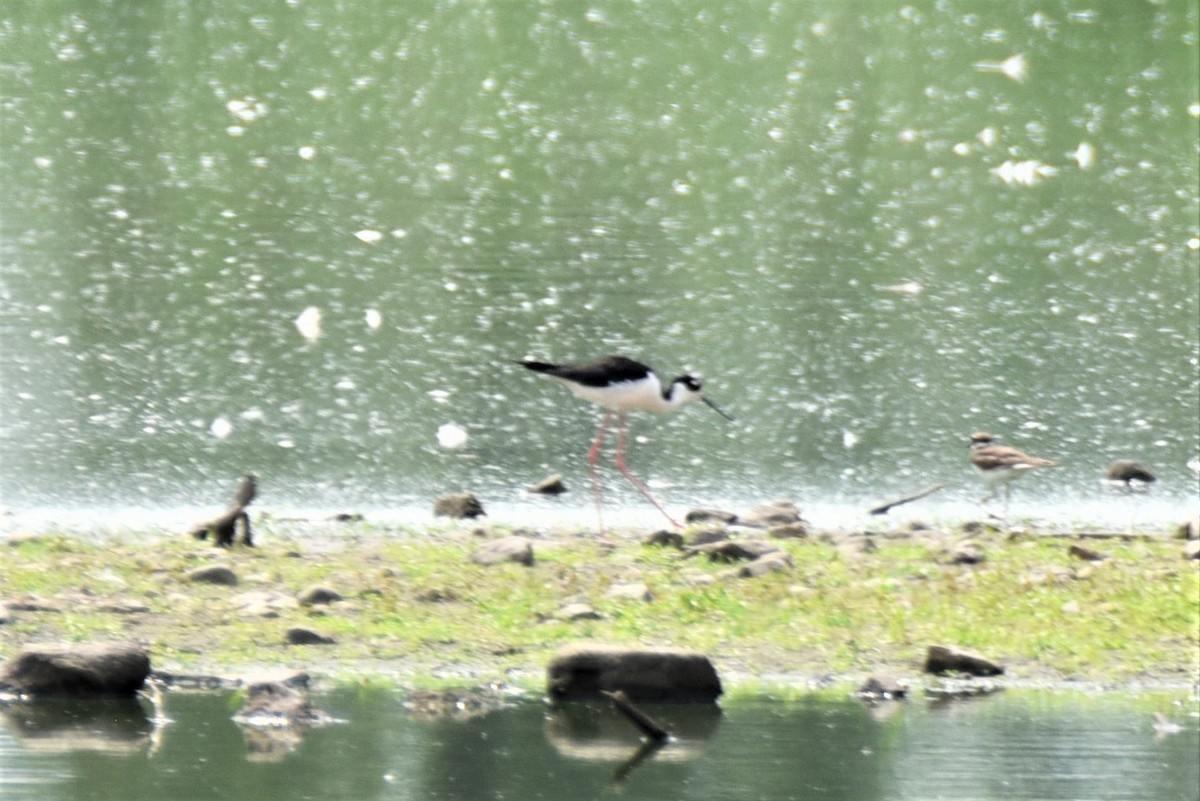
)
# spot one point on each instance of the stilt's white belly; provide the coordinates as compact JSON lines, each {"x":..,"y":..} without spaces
{"x":645,"y":394}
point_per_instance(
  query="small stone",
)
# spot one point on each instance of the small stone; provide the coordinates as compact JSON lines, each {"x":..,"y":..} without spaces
{"x":635,"y":591}
{"x":318,"y":595}
{"x":733,"y":550}
{"x":665,"y":539}
{"x":1191,"y":549}
{"x":882,"y":686}
{"x":708,"y":533}
{"x":550,"y":485}
{"x":506,"y":549}
{"x":789,"y":531}
{"x":212,"y":574}
{"x":775,"y":513}
{"x":941,"y":659}
{"x":1189,"y":529}
{"x":967,"y":552}
{"x":1087,"y":554}
{"x":458,"y":505}
{"x":578,"y":611}
{"x":299,"y":635}
{"x":773,"y":562}
{"x":1071,"y":607}
{"x":709,"y":516}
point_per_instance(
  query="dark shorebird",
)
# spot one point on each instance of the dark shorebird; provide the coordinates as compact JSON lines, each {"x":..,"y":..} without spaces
{"x":1128,"y":475}
{"x":618,"y":385}
{"x":1001,"y":464}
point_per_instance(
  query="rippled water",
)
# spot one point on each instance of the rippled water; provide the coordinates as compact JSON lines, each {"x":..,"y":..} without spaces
{"x":300,"y":239}
{"x":1021,"y":745}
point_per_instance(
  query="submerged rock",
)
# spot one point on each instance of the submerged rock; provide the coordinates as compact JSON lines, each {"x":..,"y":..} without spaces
{"x":77,"y":670}
{"x":645,"y":674}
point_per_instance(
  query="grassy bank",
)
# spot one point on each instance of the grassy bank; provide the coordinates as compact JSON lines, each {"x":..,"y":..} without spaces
{"x":417,"y":608}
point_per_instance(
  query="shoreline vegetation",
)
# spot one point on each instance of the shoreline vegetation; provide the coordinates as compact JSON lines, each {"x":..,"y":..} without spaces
{"x":348,"y":599}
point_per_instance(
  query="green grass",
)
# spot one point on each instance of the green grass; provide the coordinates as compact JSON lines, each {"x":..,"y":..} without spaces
{"x":416,"y":604}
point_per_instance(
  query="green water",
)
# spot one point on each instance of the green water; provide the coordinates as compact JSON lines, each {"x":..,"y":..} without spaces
{"x":1026,"y":745}
{"x":871,"y":228}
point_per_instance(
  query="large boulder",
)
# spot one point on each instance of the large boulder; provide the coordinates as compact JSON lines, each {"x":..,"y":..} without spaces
{"x":77,"y":670}
{"x":584,"y":672}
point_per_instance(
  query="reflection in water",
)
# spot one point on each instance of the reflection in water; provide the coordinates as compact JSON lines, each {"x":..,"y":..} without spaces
{"x":61,"y":726}
{"x":1019,"y":745}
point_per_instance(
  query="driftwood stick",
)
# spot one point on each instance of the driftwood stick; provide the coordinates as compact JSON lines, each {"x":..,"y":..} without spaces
{"x":224,"y":526}
{"x":885,"y":508}
{"x":646,"y":724}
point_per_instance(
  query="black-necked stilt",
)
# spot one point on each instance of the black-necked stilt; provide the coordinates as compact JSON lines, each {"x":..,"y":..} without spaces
{"x":619,"y":384}
{"x":1001,"y":464}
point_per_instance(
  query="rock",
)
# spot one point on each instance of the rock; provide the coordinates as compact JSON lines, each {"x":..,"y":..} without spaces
{"x":967,"y":552}
{"x":262,"y":604}
{"x":772,"y":562}
{"x":709,"y":532}
{"x":5,"y":615}
{"x":1191,"y":549}
{"x":212,"y":574}
{"x":1087,"y":554}
{"x":635,"y":591}
{"x":506,"y":549}
{"x":299,"y":635}
{"x":940,"y":659}
{"x":318,"y":595}
{"x":584,"y":672}
{"x":275,"y":703}
{"x":578,"y":611}
{"x":458,"y":505}
{"x":550,"y":485}
{"x":709,"y":516}
{"x":78,"y":670}
{"x":775,"y":513}
{"x":665,"y":539}
{"x":733,"y":550}
{"x":882,"y":686}
{"x":789,"y":531}
{"x":1189,"y":529}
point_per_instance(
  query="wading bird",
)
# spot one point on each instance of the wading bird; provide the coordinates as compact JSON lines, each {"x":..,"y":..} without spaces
{"x":1001,"y":464}
{"x":618,"y":385}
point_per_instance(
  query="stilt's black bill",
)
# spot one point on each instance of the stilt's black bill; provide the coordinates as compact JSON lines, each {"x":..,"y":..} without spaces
{"x":716,"y":408}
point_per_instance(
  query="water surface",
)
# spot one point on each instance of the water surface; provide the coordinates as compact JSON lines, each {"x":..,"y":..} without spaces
{"x":298,"y":239}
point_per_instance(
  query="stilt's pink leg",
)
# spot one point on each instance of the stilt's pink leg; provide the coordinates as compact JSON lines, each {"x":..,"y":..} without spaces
{"x":593,"y":458}
{"x":632,"y":479}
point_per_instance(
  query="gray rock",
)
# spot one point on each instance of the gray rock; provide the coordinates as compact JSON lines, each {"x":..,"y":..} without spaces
{"x":882,"y":686}
{"x":775,"y":513}
{"x":78,"y":670}
{"x":708,"y":533}
{"x":940,"y":659}
{"x":733,"y":550}
{"x":771,"y":562}
{"x":1191,"y":549}
{"x":709,"y":516}
{"x":665,"y":539}
{"x":318,"y":595}
{"x":506,"y":549}
{"x":1189,"y":529}
{"x":550,"y":485}
{"x":634,"y":591}
{"x":276,"y":703}
{"x":579,"y":611}
{"x":967,"y":552}
{"x":789,"y":531}
{"x":300,"y":635}
{"x":458,"y":505}
{"x":1087,"y":554}
{"x":212,"y":574}
{"x":584,"y":672}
